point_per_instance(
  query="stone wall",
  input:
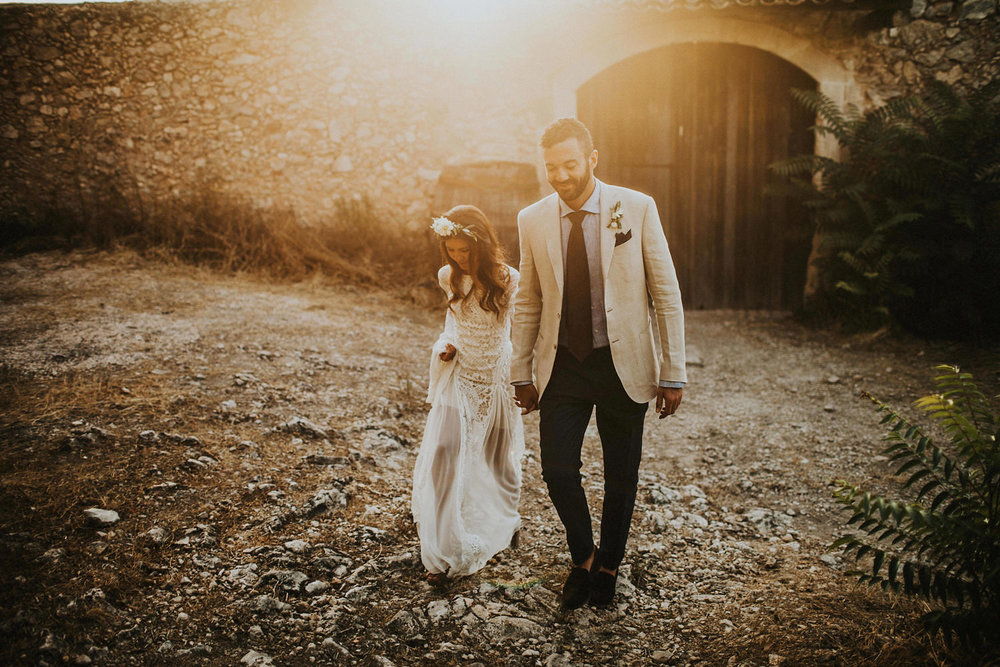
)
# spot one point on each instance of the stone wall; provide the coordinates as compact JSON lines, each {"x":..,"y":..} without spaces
{"x":299,"y":102}
{"x":954,"y":42}
{"x":292,"y":103}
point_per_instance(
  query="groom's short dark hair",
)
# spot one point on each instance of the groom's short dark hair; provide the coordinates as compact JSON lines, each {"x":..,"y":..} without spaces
{"x":568,"y":128}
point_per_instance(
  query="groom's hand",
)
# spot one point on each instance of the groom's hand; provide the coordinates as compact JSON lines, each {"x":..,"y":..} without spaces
{"x":526,"y":397}
{"x":668,"y":399}
{"x":449,"y":352}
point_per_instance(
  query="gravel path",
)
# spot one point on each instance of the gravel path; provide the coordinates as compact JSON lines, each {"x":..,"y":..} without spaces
{"x":256,"y":443}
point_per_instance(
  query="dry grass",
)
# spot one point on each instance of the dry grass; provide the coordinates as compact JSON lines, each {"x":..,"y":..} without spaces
{"x":46,"y":479}
{"x":829,"y":627}
{"x":802,"y":619}
{"x":50,"y":478}
{"x":29,"y":401}
{"x":229,"y":233}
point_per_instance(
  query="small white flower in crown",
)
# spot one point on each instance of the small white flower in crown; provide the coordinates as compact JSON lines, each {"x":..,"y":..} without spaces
{"x":442,"y":226}
{"x":616,"y":216}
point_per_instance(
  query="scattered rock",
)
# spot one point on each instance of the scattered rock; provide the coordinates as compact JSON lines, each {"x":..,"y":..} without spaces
{"x":316,"y":587}
{"x":403,"y":623}
{"x":255,"y":659}
{"x":326,"y":460}
{"x":303,"y":426}
{"x":53,"y":555}
{"x":289,"y":580}
{"x":54,"y":646}
{"x":268,"y":604}
{"x":693,"y":356}
{"x":661,"y":656}
{"x":101,"y":517}
{"x":244,"y":575}
{"x":768,"y":522}
{"x":661,"y":495}
{"x":155,"y":535}
{"x":438,"y":610}
{"x":358,"y":593}
{"x":692,"y":491}
{"x":502,"y":628}
{"x":326,"y":500}
{"x":297,"y":546}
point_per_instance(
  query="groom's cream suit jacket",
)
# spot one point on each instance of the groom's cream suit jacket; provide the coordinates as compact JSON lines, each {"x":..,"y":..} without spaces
{"x":636,"y":271}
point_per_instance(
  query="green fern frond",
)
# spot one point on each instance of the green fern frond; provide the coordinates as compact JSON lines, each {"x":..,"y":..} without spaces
{"x":918,"y":181}
{"x":949,"y":551}
{"x":800,"y":164}
{"x":823,"y":107}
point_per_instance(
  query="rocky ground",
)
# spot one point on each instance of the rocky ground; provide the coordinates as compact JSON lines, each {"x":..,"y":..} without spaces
{"x":199,"y":469}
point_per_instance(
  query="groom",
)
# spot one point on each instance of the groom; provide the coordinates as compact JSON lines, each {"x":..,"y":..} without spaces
{"x":593,"y":258}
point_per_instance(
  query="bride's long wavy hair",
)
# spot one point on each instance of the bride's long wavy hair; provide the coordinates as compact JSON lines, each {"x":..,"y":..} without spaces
{"x":487,"y":265}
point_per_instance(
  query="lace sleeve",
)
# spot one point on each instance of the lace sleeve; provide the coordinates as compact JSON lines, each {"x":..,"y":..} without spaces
{"x":512,"y":281}
{"x":449,"y":335}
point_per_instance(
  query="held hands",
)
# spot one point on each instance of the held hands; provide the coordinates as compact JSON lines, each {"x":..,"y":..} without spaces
{"x":449,"y":352}
{"x":668,"y":399}
{"x":526,"y":397}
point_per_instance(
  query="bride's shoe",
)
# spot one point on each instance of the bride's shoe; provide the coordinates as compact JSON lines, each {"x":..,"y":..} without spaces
{"x":515,"y":540}
{"x":437,"y":578}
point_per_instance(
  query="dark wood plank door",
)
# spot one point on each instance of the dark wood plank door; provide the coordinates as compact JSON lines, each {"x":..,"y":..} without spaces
{"x":695,"y":126}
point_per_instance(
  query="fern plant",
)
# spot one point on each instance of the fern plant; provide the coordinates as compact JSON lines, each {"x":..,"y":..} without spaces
{"x":909,"y":216}
{"x":944,"y":544}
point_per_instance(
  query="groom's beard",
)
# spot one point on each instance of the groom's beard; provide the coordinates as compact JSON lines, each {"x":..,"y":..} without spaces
{"x":572,"y":188}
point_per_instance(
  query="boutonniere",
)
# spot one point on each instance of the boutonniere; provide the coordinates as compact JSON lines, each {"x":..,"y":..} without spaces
{"x":616,"y":216}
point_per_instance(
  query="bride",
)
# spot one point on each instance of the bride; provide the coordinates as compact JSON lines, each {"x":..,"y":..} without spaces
{"x":467,"y":478}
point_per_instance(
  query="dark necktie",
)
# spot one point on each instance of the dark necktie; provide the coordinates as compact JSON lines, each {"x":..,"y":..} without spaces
{"x":576,"y":299}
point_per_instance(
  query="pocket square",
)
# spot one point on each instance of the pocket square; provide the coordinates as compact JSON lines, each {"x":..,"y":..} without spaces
{"x":621,"y":237}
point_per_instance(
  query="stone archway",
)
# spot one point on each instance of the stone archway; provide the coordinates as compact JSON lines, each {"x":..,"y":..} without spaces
{"x":629,"y":40}
{"x":832,"y":78}
{"x":696,"y":126}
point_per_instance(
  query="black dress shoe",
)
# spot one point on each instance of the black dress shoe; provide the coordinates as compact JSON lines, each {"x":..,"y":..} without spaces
{"x":602,"y":588}
{"x":576,"y":590}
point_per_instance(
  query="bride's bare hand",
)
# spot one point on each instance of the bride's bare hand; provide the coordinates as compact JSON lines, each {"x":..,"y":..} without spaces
{"x":449,"y":352}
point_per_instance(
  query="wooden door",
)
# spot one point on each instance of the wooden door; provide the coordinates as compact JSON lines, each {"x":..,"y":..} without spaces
{"x":695,"y":126}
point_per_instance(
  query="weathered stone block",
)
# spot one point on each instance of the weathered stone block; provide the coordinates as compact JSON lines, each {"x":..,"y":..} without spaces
{"x":46,"y":53}
{"x":963,"y":53}
{"x":976,"y":10}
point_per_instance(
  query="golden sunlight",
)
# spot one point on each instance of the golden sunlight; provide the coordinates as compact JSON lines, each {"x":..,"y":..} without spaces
{"x":57,"y":2}
{"x":464,"y":23}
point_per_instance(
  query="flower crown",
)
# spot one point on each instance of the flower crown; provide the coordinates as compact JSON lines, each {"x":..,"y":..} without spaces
{"x":446,"y":228}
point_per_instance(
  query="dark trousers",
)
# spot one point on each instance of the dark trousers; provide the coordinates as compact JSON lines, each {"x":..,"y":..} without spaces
{"x":570,"y":397}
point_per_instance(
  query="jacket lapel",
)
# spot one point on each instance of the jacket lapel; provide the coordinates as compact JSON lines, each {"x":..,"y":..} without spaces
{"x":608,"y":199}
{"x":551,"y":227}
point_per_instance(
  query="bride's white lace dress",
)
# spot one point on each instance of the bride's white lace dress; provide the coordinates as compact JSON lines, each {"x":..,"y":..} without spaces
{"x":467,"y":478}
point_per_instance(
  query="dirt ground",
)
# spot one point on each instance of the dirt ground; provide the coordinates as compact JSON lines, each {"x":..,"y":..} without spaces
{"x":256,"y":442}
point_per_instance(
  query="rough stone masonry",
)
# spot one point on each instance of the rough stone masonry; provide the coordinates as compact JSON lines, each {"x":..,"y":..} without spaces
{"x":296,"y":104}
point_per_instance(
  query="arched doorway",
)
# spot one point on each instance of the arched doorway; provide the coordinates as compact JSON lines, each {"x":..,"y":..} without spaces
{"x":695,"y":126}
